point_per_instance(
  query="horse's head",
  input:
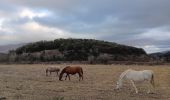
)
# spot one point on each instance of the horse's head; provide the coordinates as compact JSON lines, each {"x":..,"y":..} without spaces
{"x":61,"y":75}
{"x":118,"y":85}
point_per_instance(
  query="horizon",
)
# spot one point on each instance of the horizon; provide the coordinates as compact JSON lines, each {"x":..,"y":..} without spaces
{"x":142,"y":24}
{"x":75,"y":38}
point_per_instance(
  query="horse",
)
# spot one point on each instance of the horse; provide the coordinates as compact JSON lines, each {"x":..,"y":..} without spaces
{"x":137,"y":76}
{"x":52,"y":69}
{"x":71,"y":70}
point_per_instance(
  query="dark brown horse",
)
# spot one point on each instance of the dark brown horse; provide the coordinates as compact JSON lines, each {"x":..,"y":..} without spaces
{"x":52,"y":69}
{"x":71,"y":70}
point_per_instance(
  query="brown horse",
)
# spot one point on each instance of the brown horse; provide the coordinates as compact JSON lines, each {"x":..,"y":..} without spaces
{"x":52,"y":69}
{"x":71,"y":70}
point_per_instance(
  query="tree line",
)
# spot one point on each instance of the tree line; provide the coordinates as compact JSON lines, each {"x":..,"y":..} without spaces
{"x":75,"y":50}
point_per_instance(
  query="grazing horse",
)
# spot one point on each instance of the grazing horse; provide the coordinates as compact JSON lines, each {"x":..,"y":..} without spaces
{"x":71,"y":70}
{"x":137,"y":76}
{"x":52,"y":69}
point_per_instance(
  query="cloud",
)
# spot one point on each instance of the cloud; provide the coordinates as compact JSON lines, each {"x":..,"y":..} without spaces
{"x":140,"y":23}
{"x":32,"y":31}
{"x":160,"y":33}
{"x":32,"y":14}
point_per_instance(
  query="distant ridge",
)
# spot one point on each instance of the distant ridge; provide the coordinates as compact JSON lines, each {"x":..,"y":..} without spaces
{"x":163,"y":56}
{"x":6,"y":48}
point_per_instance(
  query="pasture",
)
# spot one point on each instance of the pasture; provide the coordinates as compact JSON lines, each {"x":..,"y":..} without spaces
{"x":29,"y":82}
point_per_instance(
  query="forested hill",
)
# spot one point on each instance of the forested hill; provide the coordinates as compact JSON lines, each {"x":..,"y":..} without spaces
{"x":77,"y":49}
{"x":161,"y":56}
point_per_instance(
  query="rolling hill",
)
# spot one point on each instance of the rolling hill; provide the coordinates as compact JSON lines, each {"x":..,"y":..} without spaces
{"x":163,"y":56}
{"x":77,"y":50}
{"x":6,"y":48}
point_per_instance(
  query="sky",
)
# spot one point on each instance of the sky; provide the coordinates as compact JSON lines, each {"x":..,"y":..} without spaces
{"x":140,"y":23}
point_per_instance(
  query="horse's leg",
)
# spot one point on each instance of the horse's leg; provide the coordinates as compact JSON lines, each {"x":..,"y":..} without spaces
{"x":46,"y":72}
{"x":150,"y":85}
{"x":80,"y":76}
{"x":136,"y":90}
{"x":149,"y":90}
{"x":57,"y":73}
{"x":50,"y":73}
{"x":69,"y":76}
{"x":66,"y":76}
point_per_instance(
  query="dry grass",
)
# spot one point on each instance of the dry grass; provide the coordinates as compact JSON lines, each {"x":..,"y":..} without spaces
{"x":28,"y":82}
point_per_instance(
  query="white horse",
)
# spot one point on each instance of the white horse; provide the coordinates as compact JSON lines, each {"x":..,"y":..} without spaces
{"x":52,"y":69}
{"x":137,"y":76}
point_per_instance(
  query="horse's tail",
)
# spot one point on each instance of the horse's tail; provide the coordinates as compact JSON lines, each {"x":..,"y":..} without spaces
{"x":82,"y":73}
{"x":46,"y":71}
{"x":152,"y":80}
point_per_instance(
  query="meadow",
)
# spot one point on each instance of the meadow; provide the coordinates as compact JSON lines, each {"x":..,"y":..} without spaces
{"x":29,"y":82}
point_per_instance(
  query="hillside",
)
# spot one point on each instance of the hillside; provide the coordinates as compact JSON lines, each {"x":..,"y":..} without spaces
{"x":77,"y":50}
{"x":161,"y":56}
{"x":6,"y":48}
{"x":3,"y":57}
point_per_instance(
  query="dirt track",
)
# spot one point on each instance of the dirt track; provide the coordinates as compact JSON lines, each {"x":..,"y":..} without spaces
{"x":28,"y":82}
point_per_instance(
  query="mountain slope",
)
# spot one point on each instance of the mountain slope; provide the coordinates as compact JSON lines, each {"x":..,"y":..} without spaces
{"x":6,"y":48}
{"x":3,"y":57}
{"x":165,"y":56}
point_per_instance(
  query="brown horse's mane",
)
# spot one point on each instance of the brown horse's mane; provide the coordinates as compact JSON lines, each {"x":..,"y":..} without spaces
{"x":62,"y":72}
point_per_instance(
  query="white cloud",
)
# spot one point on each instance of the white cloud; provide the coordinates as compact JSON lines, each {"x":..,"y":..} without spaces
{"x":150,"y":48}
{"x":36,"y":28}
{"x":160,"y":33}
{"x":32,"y":31}
{"x":1,"y":22}
{"x":4,"y":29}
{"x":31,"y":14}
{"x":154,"y":48}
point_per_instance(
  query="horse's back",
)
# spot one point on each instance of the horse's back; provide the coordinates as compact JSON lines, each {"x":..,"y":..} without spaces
{"x":139,"y":75}
{"x":140,"y":71}
{"x":148,"y":73}
{"x":53,"y":68}
{"x":73,"y":69}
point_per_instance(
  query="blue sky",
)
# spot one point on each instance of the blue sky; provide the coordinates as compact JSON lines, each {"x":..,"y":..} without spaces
{"x":139,"y":23}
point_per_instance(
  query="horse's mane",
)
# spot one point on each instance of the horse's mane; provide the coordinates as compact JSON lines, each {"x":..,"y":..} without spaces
{"x":124,"y":73}
{"x":64,"y":69}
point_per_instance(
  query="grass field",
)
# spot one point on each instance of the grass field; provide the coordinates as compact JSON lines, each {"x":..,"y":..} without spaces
{"x":28,"y":82}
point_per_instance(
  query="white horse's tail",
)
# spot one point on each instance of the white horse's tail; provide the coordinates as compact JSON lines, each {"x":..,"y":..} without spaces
{"x":152,"y":81}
